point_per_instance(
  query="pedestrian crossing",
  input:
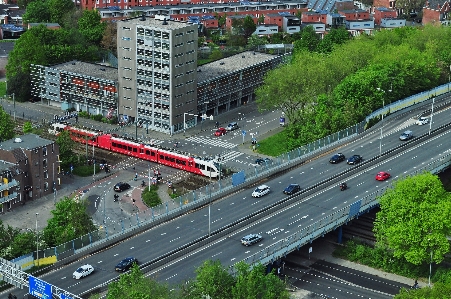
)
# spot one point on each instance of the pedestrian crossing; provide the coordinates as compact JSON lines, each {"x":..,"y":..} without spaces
{"x":212,"y":141}
{"x":228,"y":156}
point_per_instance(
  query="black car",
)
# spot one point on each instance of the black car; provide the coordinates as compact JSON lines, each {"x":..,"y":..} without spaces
{"x":337,"y":158}
{"x":126,"y":264}
{"x":119,"y":187}
{"x":291,"y":189}
{"x":261,"y":161}
{"x":354,"y":159}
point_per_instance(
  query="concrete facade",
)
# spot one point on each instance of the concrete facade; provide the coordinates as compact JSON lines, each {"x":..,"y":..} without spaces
{"x":157,"y":61}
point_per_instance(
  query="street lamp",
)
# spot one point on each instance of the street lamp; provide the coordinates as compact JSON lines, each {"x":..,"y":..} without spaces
{"x":432,"y":112}
{"x":204,"y":117}
{"x":184,"y":120}
{"x":382,"y":122}
{"x":430,"y":270}
{"x":37,"y":240}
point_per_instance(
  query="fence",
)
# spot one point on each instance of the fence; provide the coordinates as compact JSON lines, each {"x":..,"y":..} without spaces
{"x":153,"y":216}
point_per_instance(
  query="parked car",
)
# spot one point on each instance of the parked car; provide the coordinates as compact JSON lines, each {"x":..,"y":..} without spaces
{"x":406,"y":135}
{"x":422,"y":121}
{"x":251,"y":239}
{"x":126,"y":264}
{"x":354,"y":159}
{"x":382,"y":176}
{"x":292,"y":189}
{"x":220,"y":132}
{"x":261,"y":161}
{"x":83,"y":271}
{"x":260,"y":191}
{"x":337,"y":158}
{"x":119,"y":187}
{"x":232,"y":126}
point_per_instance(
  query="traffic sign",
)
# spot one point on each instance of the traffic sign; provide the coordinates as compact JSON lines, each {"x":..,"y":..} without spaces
{"x":39,"y":288}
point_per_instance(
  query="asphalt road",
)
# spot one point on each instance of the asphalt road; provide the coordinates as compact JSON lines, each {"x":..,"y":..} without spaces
{"x":274,"y":227}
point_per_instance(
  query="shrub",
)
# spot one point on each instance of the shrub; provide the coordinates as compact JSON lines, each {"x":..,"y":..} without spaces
{"x":97,"y":117}
{"x":83,"y":114}
{"x":85,"y":170}
{"x":150,"y":196}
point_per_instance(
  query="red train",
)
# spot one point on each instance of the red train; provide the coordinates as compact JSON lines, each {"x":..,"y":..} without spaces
{"x":135,"y":149}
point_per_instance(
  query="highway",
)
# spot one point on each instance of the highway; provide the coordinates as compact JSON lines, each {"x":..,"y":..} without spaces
{"x":306,"y":210}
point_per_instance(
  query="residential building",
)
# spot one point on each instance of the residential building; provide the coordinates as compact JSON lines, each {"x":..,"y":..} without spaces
{"x":383,"y":13}
{"x":437,"y":12}
{"x":291,"y":24}
{"x":29,"y":169}
{"x":388,"y":23}
{"x":157,"y":62}
{"x":266,"y":29}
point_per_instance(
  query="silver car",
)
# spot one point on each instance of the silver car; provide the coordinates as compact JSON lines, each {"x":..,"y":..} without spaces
{"x":251,"y":239}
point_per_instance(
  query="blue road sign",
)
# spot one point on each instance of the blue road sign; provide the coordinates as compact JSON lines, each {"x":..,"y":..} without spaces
{"x":243,"y":132}
{"x":63,"y":296}
{"x":39,"y":288}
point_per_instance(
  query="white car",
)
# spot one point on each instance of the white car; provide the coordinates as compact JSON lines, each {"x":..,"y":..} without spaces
{"x":422,"y":121}
{"x":260,"y":191}
{"x":251,"y":239}
{"x":83,"y":271}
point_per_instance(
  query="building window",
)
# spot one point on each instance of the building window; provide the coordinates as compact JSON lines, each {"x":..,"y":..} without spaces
{"x":44,"y":151}
{"x":46,"y":174}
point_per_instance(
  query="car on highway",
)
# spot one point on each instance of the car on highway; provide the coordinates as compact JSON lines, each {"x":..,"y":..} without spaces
{"x":83,"y":271}
{"x":263,"y":161}
{"x":232,"y":126}
{"x":119,"y":187}
{"x":382,"y":176}
{"x":422,"y":121}
{"x":251,"y":239}
{"x":260,"y":191}
{"x":337,"y":158}
{"x":220,"y":132}
{"x":292,"y":189}
{"x":126,"y":264}
{"x":406,"y":135}
{"x":354,"y":159}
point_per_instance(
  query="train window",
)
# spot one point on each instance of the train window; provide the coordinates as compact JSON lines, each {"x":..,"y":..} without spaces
{"x":135,"y":150}
{"x":180,"y":162}
{"x":161,"y":157}
{"x":153,"y":154}
{"x":200,"y":166}
{"x":129,"y":148}
{"x":147,"y":152}
{"x":114,"y":144}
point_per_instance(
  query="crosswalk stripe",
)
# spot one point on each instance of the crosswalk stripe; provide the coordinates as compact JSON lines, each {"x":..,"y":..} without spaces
{"x":229,"y":156}
{"x":214,"y":142}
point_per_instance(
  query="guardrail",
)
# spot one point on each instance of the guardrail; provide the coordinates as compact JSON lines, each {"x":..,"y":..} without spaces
{"x":112,"y":232}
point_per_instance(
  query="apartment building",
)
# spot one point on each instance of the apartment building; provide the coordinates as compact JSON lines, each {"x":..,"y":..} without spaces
{"x":157,"y":61}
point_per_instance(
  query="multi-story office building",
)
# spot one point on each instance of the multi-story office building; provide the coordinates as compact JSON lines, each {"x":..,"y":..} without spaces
{"x":157,"y":61}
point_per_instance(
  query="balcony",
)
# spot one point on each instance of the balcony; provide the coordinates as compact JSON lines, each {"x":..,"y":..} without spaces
{"x":4,"y":187}
{"x":8,"y":198}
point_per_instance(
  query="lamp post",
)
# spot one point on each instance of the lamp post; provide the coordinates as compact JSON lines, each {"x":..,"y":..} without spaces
{"x":430,"y":270}
{"x":209,"y":208}
{"x":432,"y":112}
{"x":184,"y":120}
{"x":37,"y":240}
{"x":204,"y":117}
{"x":382,"y":122}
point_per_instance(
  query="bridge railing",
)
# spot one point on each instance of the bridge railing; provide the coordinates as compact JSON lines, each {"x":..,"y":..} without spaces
{"x":127,"y":225}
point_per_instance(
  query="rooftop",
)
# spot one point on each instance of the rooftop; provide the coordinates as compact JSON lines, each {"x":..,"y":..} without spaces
{"x":89,"y":69}
{"x":230,"y":64}
{"x":153,"y":22}
{"x":27,"y":141}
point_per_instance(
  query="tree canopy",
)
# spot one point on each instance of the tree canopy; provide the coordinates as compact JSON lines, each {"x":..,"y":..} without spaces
{"x":66,"y":145}
{"x":438,"y":291}
{"x":415,"y":219}
{"x":6,"y":125}
{"x":69,"y":221}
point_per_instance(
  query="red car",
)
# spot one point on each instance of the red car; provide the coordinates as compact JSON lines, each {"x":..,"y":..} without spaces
{"x":220,"y":132}
{"x":382,"y":176}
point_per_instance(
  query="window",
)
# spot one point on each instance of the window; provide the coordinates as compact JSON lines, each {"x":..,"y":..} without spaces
{"x":44,"y":151}
{"x":46,"y":174}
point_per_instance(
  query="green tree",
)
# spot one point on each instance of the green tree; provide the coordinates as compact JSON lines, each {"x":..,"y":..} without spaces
{"x":69,"y":221}
{"x":254,"y":40}
{"x":135,"y":285}
{"x":27,"y":127}
{"x":221,"y":19}
{"x":309,"y":40}
{"x":212,"y":279}
{"x":24,"y":3}
{"x":7,"y":236}
{"x":216,"y":54}
{"x":6,"y":126}
{"x":65,"y":144}
{"x":23,"y":243}
{"x":255,"y":284}
{"x":261,"y":19}
{"x":409,"y":5}
{"x":249,"y":26}
{"x":438,"y":291}
{"x":415,"y":219}
{"x":58,"y":9}
{"x":37,"y":12}
{"x":91,"y":26}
